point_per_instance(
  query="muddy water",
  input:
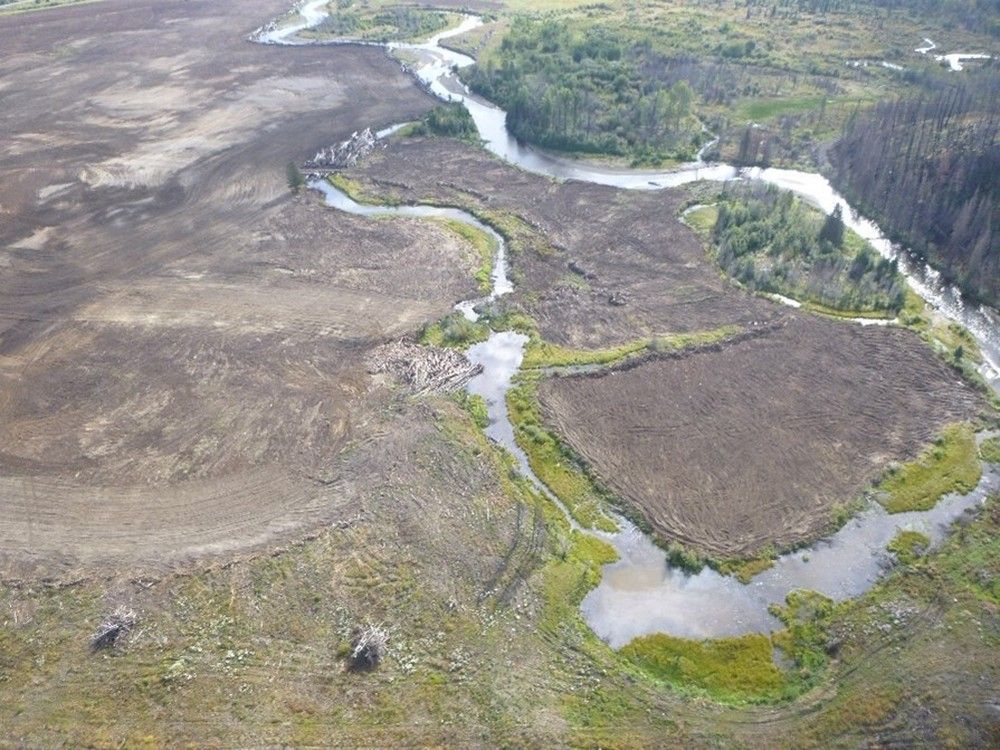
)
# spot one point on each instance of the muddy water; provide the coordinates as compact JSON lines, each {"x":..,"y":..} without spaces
{"x":641,"y":593}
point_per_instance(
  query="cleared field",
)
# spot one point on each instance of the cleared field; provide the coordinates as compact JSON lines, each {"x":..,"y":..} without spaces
{"x":182,"y":341}
{"x":756,"y":442}
{"x":594,"y":266}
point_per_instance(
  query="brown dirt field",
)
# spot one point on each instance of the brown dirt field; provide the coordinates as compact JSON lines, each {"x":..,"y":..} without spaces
{"x":629,"y":242}
{"x":181,"y":340}
{"x":753,"y":443}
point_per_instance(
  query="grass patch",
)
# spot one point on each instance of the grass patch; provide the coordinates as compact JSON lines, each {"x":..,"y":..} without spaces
{"x":909,"y":546}
{"x":539,"y":354}
{"x":702,"y":219}
{"x":834,"y":312}
{"x":949,"y":465}
{"x":552,"y":462}
{"x":729,"y":669}
{"x":989,"y":450}
{"x":759,"y":110}
{"x":455,"y":331}
{"x":745,"y":570}
{"x":566,"y":579}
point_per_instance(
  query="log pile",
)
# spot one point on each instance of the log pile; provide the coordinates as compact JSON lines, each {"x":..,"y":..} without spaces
{"x":425,"y":369}
{"x":345,"y":154}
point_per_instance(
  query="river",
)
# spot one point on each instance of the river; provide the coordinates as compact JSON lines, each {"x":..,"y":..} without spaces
{"x":641,"y":593}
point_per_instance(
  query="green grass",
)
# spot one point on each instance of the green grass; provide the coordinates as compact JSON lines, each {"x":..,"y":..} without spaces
{"x":570,"y":574}
{"x":909,"y":546}
{"x":949,"y":465}
{"x":544,"y":354}
{"x":552,"y":462}
{"x":540,"y":354}
{"x":745,"y":570}
{"x":759,"y":110}
{"x":455,"y":331}
{"x":835,"y":312}
{"x":989,"y":450}
{"x":728,"y":669}
{"x":702,"y":219}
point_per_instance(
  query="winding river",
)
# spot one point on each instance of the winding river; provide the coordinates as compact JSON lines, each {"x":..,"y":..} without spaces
{"x":641,"y":593}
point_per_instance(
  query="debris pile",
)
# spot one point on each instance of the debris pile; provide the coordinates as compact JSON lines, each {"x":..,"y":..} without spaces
{"x":119,"y":623}
{"x":424,"y":369}
{"x":345,"y":154}
{"x":370,"y":645}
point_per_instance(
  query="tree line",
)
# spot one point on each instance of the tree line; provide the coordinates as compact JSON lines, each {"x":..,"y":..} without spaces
{"x":928,"y":169}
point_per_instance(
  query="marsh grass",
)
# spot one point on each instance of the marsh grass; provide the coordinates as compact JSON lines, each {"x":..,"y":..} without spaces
{"x":909,"y":546}
{"x":949,"y":465}
{"x":552,"y":462}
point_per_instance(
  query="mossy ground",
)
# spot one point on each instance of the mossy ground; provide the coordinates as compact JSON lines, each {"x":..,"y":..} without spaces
{"x":552,"y":463}
{"x":989,"y":450}
{"x":949,"y":465}
{"x":909,"y":546}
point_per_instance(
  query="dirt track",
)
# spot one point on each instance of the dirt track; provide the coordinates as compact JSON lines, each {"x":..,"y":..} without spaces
{"x":728,"y":450}
{"x":181,"y":341}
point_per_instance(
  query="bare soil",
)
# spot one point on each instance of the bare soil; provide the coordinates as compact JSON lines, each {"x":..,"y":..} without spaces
{"x":629,"y":244}
{"x":182,"y":341}
{"x":741,"y":445}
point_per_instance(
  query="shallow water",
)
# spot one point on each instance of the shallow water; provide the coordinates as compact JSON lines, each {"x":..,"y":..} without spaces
{"x":641,"y":593}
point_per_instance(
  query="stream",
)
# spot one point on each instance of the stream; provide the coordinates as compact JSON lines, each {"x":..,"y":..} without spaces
{"x":640,"y":593}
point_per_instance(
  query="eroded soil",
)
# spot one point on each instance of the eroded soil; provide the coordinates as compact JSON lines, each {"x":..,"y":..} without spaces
{"x":181,"y":339}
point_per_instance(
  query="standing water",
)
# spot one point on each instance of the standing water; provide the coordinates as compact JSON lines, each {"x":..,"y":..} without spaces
{"x":641,"y":593}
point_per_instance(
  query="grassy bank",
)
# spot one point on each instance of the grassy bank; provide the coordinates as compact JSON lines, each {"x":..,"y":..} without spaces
{"x":950,"y":465}
{"x":552,"y":462}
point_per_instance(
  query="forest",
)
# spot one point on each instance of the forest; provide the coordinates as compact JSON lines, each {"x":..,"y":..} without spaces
{"x":450,"y":120}
{"x":588,"y":90}
{"x":980,"y":15}
{"x":928,"y":170}
{"x":772,"y":242}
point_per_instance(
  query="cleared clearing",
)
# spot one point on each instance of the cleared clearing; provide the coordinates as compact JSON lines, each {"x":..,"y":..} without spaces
{"x":756,"y":442}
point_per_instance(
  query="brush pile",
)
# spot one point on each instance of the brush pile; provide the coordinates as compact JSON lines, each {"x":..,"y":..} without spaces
{"x":424,"y":369}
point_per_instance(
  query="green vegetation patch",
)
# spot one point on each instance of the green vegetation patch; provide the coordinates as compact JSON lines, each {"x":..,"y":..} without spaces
{"x":702,"y":219}
{"x":455,"y":331}
{"x":909,"y":546}
{"x":570,"y":574}
{"x":729,"y":669}
{"x":447,"y":120}
{"x":772,"y":242}
{"x":539,"y":354}
{"x":393,"y":23}
{"x":552,"y":462}
{"x":989,"y":450}
{"x":745,"y":569}
{"x":949,"y":465}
